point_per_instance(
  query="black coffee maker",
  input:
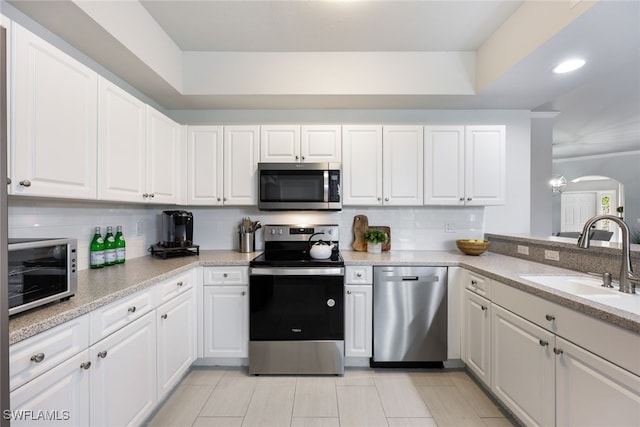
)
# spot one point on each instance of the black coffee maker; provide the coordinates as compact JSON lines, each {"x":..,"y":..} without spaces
{"x":177,"y":229}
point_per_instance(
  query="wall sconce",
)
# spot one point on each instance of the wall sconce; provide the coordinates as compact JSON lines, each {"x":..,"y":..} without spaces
{"x":558,"y":182}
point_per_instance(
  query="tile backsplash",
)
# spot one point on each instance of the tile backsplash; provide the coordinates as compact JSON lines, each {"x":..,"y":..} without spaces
{"x":412,"y":228}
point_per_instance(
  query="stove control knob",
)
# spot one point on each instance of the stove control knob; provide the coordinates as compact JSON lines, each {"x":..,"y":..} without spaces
{"x":331,"y":302}
{"x":273,"y":231}
{"x":280,"y":231}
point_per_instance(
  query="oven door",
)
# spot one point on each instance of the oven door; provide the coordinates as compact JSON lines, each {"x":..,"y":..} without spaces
{"x":291,"y":304}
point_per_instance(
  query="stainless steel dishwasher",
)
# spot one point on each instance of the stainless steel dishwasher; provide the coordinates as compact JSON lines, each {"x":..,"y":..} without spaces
{"x":409,"y":316}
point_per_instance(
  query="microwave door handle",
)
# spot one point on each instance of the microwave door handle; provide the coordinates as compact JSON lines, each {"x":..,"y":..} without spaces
{"x":326,"y":185}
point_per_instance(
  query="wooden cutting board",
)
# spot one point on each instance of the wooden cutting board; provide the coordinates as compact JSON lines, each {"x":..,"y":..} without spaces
{"x":385,"y":246}
{"x":360,"y":225}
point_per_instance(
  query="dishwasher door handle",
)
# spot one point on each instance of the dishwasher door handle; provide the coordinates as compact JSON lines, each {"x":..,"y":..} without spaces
{"x":421,"y":279}
{"x":406,"y":278}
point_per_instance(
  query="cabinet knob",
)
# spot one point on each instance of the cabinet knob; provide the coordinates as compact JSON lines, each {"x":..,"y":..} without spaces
{"x":474,"y":282}
{"x":348,"y":292}
{"x":468,"y":199}
{"x":37,"y":357}
{"x":558,"y":351}
{"x":543,"y":343}
{"x":550,"y":317}
{"x":219,"y":199}
{"x":152,"y":195}
{"x":379,"y":199}
{"x":302,"y":157}
{"x":386,"y":199}
{"x":85,"y":365}
{"x":297,"y":158}
{"x":145,"y":195}
{"x":462,"y":199}
{"x":179,"y":284}
{"x":484,"y":307}
{"x":25,"y":183}
{"x":164,"y":316}
{"x":358,"y":274}
{"x":8,"y":181}
{"x":243,"y":293}
{"x":225,"y":275}
{"x":102,"y":354}
{"x":132,"y":309}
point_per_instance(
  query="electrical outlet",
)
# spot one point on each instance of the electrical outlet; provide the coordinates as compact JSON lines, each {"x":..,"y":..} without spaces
{"x":139,"y":228}
{"x":523,"y":250}
{"x":552,"y":255}
{"x":449,"y":227}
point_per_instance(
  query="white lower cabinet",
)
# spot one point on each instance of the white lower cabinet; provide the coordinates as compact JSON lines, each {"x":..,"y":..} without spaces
{"x":476,"y":337}
{"x":592,"y":391}
{"x":59,"y":397}
{"x":522,"y":367}
{"x":176,"y":340}
{"x":123,"y":375}
{"x":358,"y":320}
{"x":226,"y":321}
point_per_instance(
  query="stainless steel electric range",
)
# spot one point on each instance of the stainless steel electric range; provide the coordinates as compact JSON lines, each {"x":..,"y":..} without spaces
{"x":296,"y":321}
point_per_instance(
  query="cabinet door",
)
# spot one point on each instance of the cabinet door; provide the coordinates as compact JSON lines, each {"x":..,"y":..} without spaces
{"x":204,"y":165}
{"x":280,"y":143}
{"x":177,"y":344}
{"x":241,"y":154}
{"x":485,"y":165}
{"x":56,"y":114}
{"x":362,"y":165}
{"x":444,"y":165}
{"x":226,"y":321}
{"x":123,"y":375}
{"x":163,"y":158}
{"x":358,"y":320}
{"x":122,"y":136}
{"x":403,"y":170}
{"x":321,"y":143}
{"x":592,"y":391}
{"x":477,"y":336}
{"x":522,"y":368}
{"x":61,"y":394}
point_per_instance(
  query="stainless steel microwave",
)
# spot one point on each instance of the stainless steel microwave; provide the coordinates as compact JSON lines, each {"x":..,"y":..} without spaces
{"x":299,"y":186}
{"x":41,"y":271}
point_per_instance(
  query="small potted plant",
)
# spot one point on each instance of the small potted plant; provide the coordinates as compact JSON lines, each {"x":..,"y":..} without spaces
{"x":375,"y":239}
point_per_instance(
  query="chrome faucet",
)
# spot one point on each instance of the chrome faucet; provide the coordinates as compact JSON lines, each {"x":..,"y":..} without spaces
{"x":628,"y":279}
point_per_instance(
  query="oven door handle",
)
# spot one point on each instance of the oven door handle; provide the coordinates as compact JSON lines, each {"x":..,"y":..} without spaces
{"x":297,"y":271}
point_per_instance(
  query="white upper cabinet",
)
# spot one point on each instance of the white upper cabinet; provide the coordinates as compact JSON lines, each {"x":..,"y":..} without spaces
{"x":362,"y":164}
{"x":382,"y":165}
{"x":444,"y":165}
{"x":402,"y":165}
{"x":122,"y":134}
{"x":294,"y":143}
{"x":485,"y":168}
{"x":321,"y":143}
{"x":280,"y":143}
{"x":205,"y":165}
{"x":241,"y":154}
{"x":464,"y":165}
{"x":163,"y":158}
{"x":55,"y":122}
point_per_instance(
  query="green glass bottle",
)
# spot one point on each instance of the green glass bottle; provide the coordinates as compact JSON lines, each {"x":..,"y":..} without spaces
{"x":109,"y":247}
{"x":96,"y":250}
{"x":120,"y":247}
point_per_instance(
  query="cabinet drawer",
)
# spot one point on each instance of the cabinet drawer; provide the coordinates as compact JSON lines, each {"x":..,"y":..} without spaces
{"x":170,"y":288}
{"x":358,"y":275}
{"x":226,"y":276}
{"x":110,"y":318}
{"x":477,"y":284}
{"x":40,"y":353}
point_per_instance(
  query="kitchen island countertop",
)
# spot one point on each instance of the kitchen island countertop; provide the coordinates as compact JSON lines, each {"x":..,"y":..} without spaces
{"x":97,"y":288}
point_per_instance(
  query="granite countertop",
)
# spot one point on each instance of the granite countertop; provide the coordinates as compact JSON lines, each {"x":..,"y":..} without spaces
{"x":97,"y":288}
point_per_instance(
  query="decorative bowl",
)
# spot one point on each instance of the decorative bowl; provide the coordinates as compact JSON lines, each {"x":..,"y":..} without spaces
{"x":473,"y":247}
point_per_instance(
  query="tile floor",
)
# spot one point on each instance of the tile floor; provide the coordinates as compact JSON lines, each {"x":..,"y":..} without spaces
{"x":217,"y":397}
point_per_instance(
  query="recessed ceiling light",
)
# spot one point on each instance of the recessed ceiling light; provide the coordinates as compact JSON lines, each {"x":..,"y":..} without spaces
{"x":569,"y":65}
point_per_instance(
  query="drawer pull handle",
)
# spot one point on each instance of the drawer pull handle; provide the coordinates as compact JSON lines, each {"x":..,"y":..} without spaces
{"x":132,"y":309}
{"x":102,"y":354}
{"x":558,"y":351}
{"x":179,"y":284}
{"x":164,"y":316}
{"x":543,"y":343}
{"x":85,"y":365}
{"x":37,"y":357}
{"x":550,"y":317}
{"x":484,"y":307}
